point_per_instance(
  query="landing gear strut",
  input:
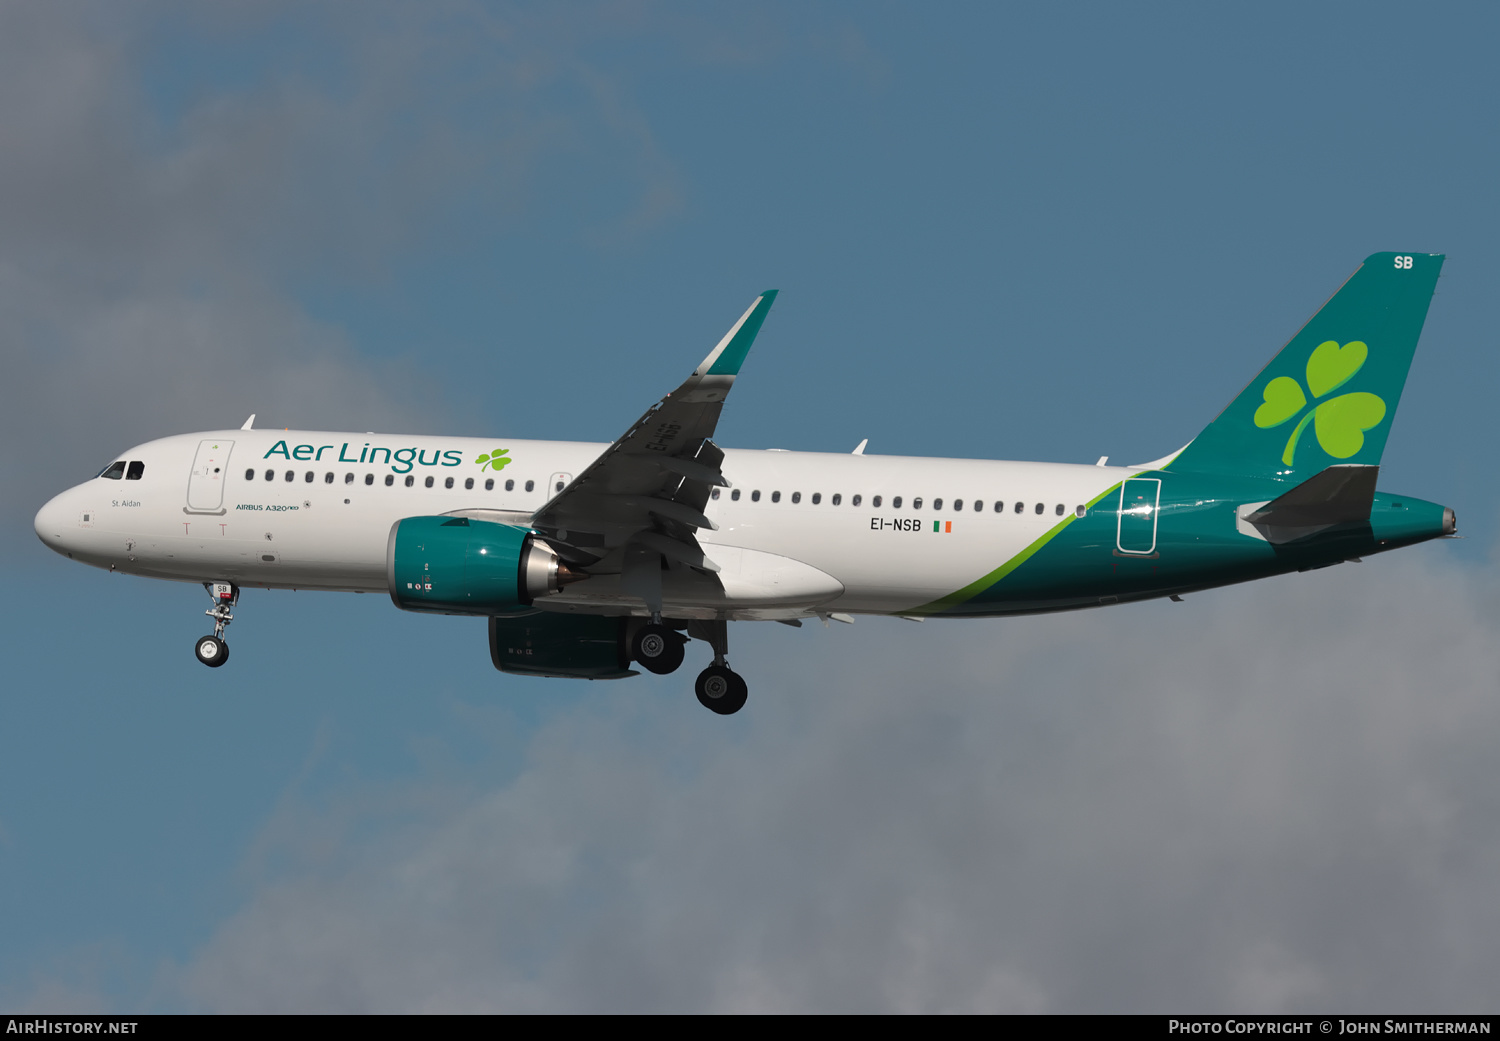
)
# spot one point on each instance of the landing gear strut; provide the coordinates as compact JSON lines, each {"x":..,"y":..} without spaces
{"x":719,"y":688}
{"x":212,"y":650}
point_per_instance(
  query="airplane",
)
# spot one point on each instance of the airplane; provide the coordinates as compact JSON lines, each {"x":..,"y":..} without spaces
{"x":588,"y":558}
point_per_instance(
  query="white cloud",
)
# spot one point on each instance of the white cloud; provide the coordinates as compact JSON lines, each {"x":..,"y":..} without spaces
{"x":1272,"y":798}
{"x":154,"y":259}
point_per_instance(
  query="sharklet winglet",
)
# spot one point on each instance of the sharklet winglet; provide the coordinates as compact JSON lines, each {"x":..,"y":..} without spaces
{"x":729,"y":355}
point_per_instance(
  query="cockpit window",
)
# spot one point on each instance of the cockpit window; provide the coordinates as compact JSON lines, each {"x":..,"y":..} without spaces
{"x":114,"y":471}
{"x":136,"y":469}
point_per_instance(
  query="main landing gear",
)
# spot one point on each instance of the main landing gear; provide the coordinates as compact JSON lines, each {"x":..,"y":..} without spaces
{"x":719,"y":688}
{"x":658,"y":648}
{"x":212,"y":650}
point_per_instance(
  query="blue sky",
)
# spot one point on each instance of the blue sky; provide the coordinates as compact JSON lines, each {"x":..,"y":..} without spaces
{"x":1001,"y":231}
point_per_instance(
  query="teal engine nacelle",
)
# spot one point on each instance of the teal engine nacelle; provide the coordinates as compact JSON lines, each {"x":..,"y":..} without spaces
{"x":455,"y":565}
{"x":540,"y":643}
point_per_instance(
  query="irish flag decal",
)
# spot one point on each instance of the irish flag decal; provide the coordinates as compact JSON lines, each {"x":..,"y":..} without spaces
{"x":944,"y":527}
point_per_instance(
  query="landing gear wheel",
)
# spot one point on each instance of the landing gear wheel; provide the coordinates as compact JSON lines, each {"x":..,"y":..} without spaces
{"x":658,"y":649}
{"x":212,"y":651}
{"x":721,"y":690}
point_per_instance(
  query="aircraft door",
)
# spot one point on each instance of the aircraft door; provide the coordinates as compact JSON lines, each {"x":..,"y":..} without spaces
{"x":558,"y":483}
{"x":1139,"y":501}
{"x":206,"y":482}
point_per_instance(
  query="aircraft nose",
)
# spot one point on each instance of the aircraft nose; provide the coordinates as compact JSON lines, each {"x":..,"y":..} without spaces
{"x":51,"y":523}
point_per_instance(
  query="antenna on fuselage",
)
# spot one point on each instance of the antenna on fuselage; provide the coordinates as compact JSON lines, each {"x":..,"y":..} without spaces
{"x":860,"y":448}
{"x":249,"y":423}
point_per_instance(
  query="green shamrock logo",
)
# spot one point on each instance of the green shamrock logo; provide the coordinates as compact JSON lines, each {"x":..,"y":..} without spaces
{"x":495,"y":460}
{"x":1340,"y":422}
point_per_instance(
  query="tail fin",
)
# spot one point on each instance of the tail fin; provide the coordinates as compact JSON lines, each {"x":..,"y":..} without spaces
{"x":1330,"y":395}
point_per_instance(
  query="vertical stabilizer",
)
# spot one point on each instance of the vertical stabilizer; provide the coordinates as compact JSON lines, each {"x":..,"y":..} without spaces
{"x":1330,"y":395}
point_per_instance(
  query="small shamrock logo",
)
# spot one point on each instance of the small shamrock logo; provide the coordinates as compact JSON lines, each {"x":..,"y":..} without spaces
{"x":495,"y":460}
{"x":1340,"y":422}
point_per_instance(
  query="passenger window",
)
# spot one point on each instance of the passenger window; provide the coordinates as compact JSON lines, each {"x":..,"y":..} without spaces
{"x":999,"y":506}
{"x":1039,"y":509}
{"x":875,"y":502}
{"x":855,"y":500}
{"x":115,"y":471}
{"x":136,"y":469}
{"x":328,"y":477}
{"x":896,"y":503}
{"x":1079,"y":511}
{"x":1020,"y":507}
{"x":489,"y":484}
{"x":1059,"y":509}
{"x":837,"y":498}
{"x":530,"y":485}
{"x":775,"y":496}
{"x":510,"y":486}
{"x":916,"y":503}
{"x":448,"y":482}
{"x":937,"y":504}
{"x":370,"y":479}
{"x":390,"y":480}
{"x":290,"y":477}
{"x":348,"y":478}
{"x":796,"y":496}
{"x":309,"y":478}
{"x":755,"y":495}
{"x":735,"y":495}
{"x":714,"y":494}
{"x":428,"y":482}
{"x":249,"y":475}
{"x":270,"y":475}
{"x":958,"y":504}
{"x":978,"y":506}
{"x":468,"y":483}
{"x":817,"y":498}
{"x":410,"y":480}
{"x":558,"y":487}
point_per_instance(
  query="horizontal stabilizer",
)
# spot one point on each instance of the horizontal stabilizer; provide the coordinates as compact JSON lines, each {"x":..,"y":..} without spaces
{"x":1341,"y":494}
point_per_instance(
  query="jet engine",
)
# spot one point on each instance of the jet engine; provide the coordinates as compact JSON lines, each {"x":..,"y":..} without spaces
{"x":455,"y":565}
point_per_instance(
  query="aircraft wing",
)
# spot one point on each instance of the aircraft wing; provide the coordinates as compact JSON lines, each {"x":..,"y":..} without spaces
{"x":647,"y":492}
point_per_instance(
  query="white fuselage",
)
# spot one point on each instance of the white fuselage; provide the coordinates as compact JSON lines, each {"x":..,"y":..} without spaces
{"x":807,"y":532}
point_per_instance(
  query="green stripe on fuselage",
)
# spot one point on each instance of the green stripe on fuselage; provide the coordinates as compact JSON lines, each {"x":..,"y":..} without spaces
{"x":978,"y":586}
{"x":1200,"y":543}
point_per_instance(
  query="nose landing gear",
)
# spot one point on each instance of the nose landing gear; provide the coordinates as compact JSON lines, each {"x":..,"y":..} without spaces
{"x":212,"y":650}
